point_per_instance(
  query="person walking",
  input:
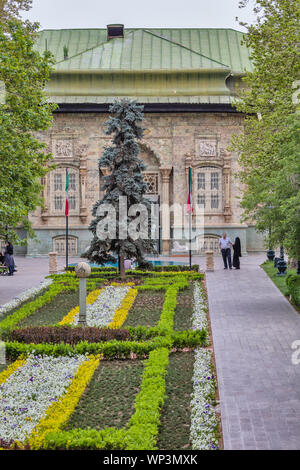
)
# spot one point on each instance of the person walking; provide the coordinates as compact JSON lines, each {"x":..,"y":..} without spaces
{"x":236,"y":253}
{"x":225,"y":245}
{"x":8,"y":258}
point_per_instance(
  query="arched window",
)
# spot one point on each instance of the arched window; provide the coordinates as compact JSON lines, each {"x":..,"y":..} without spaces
{"x":58,"y":191}
{"x":59,"y":245}
{"x":209,"y":188}
{"x":208,"y":242}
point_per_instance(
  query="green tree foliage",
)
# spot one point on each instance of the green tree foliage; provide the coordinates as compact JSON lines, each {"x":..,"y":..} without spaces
{"x":125,"y":180}
{"x":10,"y":9}
{"x":269,"y":146}
{"x":23,"y":113}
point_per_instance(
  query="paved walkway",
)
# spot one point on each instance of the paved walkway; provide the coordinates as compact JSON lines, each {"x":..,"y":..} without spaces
{"x":253,"y":327}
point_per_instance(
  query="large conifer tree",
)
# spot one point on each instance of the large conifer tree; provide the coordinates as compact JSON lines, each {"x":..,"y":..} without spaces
{"x":125,"y":179}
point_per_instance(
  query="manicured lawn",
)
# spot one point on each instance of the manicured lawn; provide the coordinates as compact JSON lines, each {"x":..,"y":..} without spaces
{"x":184,"y":309}
{"x":279,"y":281}
{"x":146,"y":310}
{"x":109,"y":398}
{"x":174,"y":432}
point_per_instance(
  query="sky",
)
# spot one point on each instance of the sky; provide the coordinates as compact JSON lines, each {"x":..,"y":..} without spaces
{"x":60,"y":14}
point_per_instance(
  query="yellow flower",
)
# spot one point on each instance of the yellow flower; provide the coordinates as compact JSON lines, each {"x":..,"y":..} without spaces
{"x":122,"y":312}
{"x":11,"y":369}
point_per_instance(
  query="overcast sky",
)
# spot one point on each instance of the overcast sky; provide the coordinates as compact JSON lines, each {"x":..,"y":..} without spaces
{"x":59,"y":14}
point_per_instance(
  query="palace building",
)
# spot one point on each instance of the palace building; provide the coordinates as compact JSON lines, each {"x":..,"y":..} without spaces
{"x":186,"y":79}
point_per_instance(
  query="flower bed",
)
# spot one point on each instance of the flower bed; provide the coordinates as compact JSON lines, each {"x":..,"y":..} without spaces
{"x":199,"y":317}
{"x":70,"y":343}
{"x":204,"y":421}
{"x":107,"y":307}
{"x":28,"y":392}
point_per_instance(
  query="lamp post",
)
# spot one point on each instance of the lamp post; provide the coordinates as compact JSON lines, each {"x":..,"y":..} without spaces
{"x":281,"y":264}
{"x":270,"y":252}
{"x":82,"y":270}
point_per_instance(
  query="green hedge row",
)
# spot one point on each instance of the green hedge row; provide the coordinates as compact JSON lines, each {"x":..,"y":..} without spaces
{"x":86,"y":439}
{"x":144,"y":423}
{"x":172,"y":268}
{"x":113,"y":349}
{"x":293,"y":284}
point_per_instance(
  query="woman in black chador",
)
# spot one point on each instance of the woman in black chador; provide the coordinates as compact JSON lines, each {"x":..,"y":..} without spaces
{"x":8,"y":258}
{"x":236,"y":253}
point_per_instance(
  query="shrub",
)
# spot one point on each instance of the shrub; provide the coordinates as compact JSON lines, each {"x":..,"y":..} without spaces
{"x":293,"y":284}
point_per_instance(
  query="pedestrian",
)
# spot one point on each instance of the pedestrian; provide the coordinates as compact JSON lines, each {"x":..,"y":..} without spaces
{"x":9,"y":258}
{"x":236,"y":253}
{"x":225,"y":245}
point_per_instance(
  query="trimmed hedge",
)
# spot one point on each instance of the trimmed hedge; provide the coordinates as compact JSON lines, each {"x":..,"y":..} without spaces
{"x":67,"y":334}
{"x":86,"y":439}
{"x":293,"y":284}
{"x":144,"y":423}
{"x":110,"y":350}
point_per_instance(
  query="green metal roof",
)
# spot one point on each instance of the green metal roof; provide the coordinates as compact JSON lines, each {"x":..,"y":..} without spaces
{"x":153,"y":63}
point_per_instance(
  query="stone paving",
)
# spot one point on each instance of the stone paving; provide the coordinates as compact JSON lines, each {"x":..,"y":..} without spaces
{"x":253,"y":327}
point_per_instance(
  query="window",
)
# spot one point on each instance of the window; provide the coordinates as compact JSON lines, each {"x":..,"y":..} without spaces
{"x":72,"y":203}
{"x":214,"y":201}
{"x":57,"y":182}
{"x":201,"y":200}
{"x":208,"y":243}
{"x":72,"y":182}
{"x":209,"y":189}
{"x":58,"y":203}
{"x":151,"y":180}
{"x":214,"y":181}
{"x":58,"y":191}
{"x":59,"y":245}
{"x":201,"y":180}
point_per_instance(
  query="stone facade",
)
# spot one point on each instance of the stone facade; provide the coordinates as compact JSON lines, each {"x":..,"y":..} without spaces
{"x":172,"y":142}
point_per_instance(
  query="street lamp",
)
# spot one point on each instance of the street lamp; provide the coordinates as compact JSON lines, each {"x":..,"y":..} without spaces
{"x":270,"y":252}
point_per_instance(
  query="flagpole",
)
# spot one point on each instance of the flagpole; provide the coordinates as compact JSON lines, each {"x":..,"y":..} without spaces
{"x":190,"y":222}
{"x":67,"y":224}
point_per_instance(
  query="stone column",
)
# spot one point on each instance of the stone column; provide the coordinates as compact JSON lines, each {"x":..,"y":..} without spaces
{"x":53,"y":263}
{"x":165,"y":209}
{"x":209,"y":260}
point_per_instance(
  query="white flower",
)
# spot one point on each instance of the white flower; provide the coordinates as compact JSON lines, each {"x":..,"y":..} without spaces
{"x":199,"y":316}
{"x":102,"y":311}
{"x":204,"y":421}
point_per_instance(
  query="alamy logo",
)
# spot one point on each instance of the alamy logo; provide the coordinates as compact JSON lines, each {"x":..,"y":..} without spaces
{"x":296,"y":94}
{"x":296,"y":354}
{"x":2,"y":353}
{"x":2,"y":92}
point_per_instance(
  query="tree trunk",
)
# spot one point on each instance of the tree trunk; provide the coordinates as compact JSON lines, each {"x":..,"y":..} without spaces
{"x":122,"y":267}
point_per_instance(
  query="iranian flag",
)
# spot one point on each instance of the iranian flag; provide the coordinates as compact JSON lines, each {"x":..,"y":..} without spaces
{"x":189,"y":199}
{"x":67,"y":189}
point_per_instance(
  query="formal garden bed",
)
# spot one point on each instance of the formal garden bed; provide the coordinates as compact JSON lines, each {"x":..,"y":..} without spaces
{"x":139,"y":376}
